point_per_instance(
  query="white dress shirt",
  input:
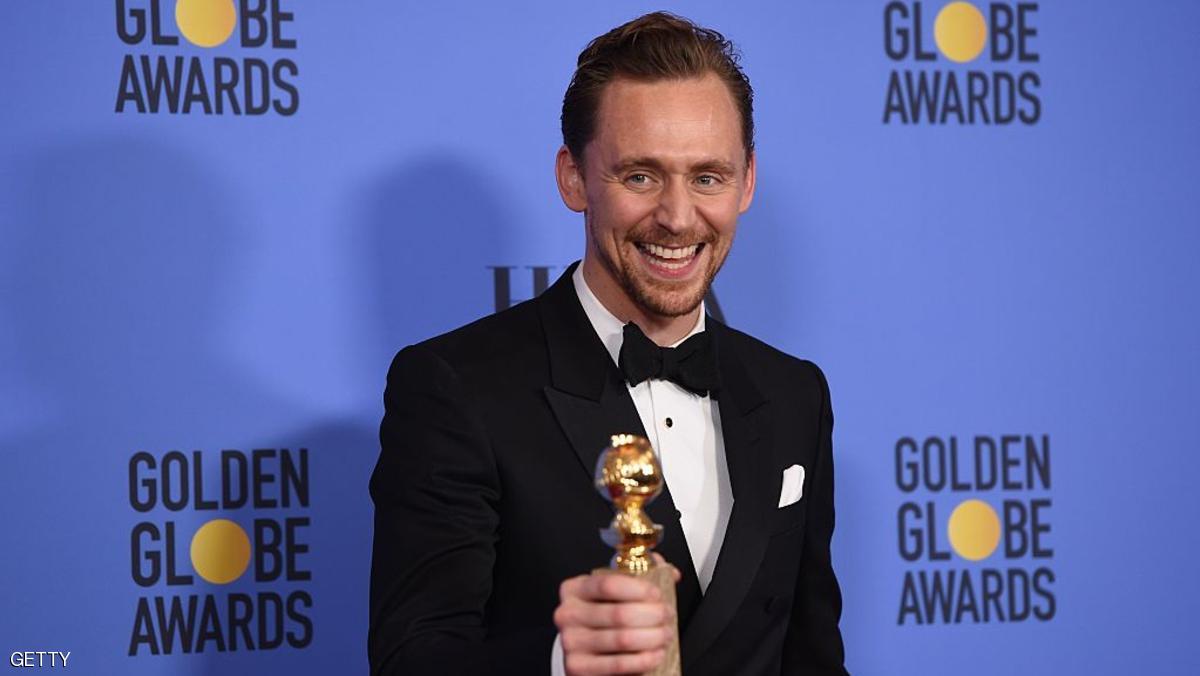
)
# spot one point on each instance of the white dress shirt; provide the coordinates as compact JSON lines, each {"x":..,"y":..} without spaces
{"x":685,"y":430}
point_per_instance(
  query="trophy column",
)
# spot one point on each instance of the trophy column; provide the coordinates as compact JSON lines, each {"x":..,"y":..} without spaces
{"x":628,"y":474}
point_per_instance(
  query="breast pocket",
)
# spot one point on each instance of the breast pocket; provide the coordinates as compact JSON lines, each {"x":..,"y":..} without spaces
{"x":790,"y":513}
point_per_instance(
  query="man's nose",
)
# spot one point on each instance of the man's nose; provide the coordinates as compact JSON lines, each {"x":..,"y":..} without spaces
{"x":676,"y":208}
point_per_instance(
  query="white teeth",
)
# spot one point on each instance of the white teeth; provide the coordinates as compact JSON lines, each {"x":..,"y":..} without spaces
{"x":670,"y":266}
{"x":670,"y":254}
{"x":670,"y":258}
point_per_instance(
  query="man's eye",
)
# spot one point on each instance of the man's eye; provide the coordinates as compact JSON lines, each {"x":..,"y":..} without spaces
{"x":638,"y":179}
{"x":707,"y":180}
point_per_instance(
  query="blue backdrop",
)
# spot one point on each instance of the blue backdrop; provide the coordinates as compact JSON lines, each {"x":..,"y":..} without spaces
{"x":209,"y":254}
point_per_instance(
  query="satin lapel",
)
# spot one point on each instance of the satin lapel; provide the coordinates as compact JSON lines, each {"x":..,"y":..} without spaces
{"x":591,"y":403}
{"x":746,"y":535}
{"x":589,"y":425}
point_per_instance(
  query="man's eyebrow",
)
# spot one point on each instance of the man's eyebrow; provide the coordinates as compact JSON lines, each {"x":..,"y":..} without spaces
{"x":712,"y":164}
{"x":715,"y":166}
{"x":634,"y":162}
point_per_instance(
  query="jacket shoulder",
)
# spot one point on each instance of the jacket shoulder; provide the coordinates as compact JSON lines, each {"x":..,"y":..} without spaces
{"x":509,"y":339}
{"x":774,"y":368}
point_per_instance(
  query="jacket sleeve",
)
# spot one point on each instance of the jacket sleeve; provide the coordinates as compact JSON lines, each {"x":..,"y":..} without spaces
{"x":436,"y":491}
{"x":814,"y":642}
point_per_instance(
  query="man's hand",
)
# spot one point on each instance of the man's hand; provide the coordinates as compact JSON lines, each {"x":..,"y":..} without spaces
{"x":612,"y":624}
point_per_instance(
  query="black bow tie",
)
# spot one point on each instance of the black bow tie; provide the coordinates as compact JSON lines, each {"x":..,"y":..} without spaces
{"x":692,"y":365}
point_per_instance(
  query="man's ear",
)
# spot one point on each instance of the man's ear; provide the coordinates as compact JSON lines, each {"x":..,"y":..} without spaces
{"x":570,"y":180}
{"x":748,"y":188}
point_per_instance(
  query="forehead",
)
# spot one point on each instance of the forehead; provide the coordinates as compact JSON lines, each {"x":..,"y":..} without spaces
{"x":672,"y":120}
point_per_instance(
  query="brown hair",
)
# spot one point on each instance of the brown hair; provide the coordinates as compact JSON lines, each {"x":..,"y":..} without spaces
{"x":656,"y":46}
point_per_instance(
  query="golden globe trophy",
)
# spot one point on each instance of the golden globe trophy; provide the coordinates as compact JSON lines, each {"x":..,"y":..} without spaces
{"x":628,"y":474}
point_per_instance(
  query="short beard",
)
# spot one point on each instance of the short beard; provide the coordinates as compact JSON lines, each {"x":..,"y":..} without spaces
{"x":664,"y":305}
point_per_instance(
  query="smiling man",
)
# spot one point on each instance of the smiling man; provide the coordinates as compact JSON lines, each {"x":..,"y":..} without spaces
{"x":486,"y":517}
{"x":661,"y":184}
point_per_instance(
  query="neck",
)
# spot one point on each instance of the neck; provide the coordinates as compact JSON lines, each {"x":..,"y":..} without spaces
{"x":661,"y":329}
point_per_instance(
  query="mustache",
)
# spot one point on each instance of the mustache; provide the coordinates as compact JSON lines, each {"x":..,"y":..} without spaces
{"x":671,"y":242}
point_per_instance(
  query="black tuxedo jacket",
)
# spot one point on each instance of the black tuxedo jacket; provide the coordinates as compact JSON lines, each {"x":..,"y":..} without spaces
{"x":484,"y":501}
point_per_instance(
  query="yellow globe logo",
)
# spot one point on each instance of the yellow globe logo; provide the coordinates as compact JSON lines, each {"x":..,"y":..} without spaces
{"x":205,"y":23}
{"x":960,"y":31}
{"x":974,"y":530}
{"x":220,"y":551}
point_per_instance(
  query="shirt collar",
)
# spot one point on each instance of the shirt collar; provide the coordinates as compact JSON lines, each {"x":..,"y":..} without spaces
{"x":607,"y":326}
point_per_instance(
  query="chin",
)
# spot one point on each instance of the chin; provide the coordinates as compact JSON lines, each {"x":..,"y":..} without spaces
{"x":666,"y":303}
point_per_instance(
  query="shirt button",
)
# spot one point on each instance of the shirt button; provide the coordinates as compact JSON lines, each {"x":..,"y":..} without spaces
{"x":670,"y":422}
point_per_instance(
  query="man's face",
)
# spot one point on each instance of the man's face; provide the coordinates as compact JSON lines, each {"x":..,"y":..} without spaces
{"x":663,"y":182}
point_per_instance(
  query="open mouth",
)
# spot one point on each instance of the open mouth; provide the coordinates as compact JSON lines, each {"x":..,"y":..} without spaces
{"x":670,"y":259}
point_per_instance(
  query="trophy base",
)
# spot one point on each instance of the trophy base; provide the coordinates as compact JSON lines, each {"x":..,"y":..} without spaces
{"x":661,"y":577}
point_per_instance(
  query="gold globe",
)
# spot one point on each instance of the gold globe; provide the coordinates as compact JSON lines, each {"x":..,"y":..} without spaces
{"x":628,"y":474}
{"x":629,"y":468}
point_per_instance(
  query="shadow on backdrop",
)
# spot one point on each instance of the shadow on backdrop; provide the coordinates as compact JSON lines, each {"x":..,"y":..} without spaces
{"x":118,"y":272}
{"x":434,"y":225}
{"x":115,"y":275}
{"x":428,"y":229}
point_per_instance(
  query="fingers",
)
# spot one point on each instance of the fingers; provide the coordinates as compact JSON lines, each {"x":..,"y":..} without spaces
{"x":577,"y":613}
{"x":585,"y":664}
{"x":608,"y":588}
{"x":582,"y":639}
{"x":612,"y":624}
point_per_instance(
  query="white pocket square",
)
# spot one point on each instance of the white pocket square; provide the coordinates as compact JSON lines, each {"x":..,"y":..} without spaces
{"x":793,"y":485}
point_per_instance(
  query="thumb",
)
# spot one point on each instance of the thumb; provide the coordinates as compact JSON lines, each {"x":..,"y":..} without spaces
{"x":660,"y":561}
